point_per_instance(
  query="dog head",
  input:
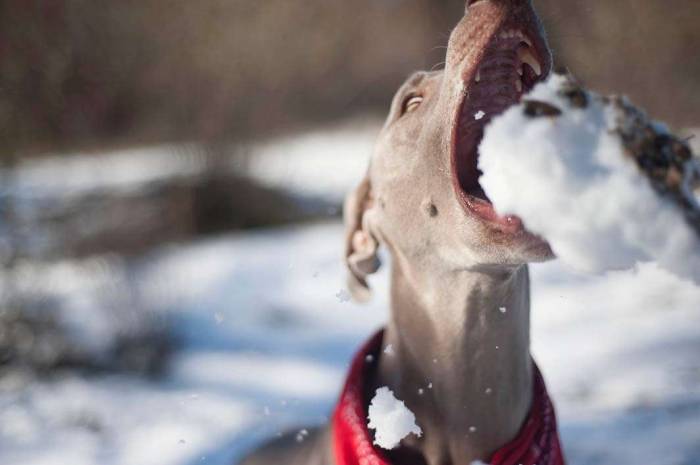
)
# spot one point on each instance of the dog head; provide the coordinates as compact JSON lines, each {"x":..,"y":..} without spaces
{"x":421,"y":196}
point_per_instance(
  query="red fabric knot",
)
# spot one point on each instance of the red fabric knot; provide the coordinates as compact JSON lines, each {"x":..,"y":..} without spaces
{"x":536,"y":444}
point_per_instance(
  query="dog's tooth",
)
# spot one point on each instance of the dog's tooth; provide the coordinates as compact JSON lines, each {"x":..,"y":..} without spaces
{"x":520,"y":70}
{"x":518,"y":85}
{"x":526,"y":56}
{"x":524,"y":38}
{"x":478,"y":75}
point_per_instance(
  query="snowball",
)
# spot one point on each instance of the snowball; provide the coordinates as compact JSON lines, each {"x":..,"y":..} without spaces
{"x":567,"y":176}
{"x":391,"y":419}
{"x":479,"y":114}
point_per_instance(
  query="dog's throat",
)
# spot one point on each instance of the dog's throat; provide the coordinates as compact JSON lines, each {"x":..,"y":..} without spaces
{"x":468,"y":172}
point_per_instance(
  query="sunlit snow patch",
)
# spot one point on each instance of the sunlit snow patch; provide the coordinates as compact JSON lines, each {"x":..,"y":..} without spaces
{"x":391,"y":419}
{"x":567,"y":162}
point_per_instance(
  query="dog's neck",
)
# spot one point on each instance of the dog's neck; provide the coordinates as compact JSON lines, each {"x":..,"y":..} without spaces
{"x":459,"y":357}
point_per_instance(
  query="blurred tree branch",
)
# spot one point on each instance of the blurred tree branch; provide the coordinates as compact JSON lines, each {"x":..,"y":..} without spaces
{"x":85,"y":74}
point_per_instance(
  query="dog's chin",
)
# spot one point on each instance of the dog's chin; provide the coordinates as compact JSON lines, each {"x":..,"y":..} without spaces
{"x":504,"y":235}
{"x":515,"y":250}
{"x":533,"y":249}
{"x":515,"y":243}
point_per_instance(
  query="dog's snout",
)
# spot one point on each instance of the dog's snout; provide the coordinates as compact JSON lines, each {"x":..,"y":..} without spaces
{"x":511,"y":2}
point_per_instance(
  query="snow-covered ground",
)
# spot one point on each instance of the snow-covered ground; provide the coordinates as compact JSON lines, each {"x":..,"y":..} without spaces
{"x":267,"y":333}
{"x":324,"y":162}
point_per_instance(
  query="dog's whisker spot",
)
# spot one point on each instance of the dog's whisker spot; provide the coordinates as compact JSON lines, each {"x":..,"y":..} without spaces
{"x":430,"y":208}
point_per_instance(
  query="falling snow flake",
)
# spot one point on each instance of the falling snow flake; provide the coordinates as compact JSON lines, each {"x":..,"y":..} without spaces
{"x":343,"y":296}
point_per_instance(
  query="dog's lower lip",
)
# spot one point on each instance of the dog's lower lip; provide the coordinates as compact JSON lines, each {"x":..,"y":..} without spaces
{"x":485,"y":210}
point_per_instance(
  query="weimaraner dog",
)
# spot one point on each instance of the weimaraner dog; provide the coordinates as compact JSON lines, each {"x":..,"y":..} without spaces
{"x":459,"y":324}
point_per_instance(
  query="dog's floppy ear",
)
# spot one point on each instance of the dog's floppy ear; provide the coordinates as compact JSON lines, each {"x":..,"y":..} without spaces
{"x":360,"y":245}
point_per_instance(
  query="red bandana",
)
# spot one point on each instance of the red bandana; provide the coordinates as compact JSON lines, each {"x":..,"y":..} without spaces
{"x":536,"y":444}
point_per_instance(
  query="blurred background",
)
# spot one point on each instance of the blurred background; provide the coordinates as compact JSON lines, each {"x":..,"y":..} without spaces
{"x":171,"y":176}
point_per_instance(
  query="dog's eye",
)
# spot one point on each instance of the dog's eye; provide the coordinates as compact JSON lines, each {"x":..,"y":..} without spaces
{"x":412,"y":103}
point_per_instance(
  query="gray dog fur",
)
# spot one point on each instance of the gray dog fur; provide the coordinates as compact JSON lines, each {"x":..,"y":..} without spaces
{"x":451,"y":273}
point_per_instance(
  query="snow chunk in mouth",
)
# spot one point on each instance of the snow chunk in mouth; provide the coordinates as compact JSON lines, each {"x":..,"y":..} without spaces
{"x":391,"y":419}
{"x":510,"y":66}
{"x":565,"y":161}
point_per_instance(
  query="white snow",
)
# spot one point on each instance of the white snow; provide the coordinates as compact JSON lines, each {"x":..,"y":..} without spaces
{"x":619,"y":352}
{"x":567,"y":178}
{"x":265,"y":348}
{"x":325,"y":163}
{"x":84,"y":173}
{"x":391,"y":419}
{"x":343,"y":296}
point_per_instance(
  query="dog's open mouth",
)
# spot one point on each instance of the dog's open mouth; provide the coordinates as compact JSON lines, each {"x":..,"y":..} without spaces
{"x":510,"y":66}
